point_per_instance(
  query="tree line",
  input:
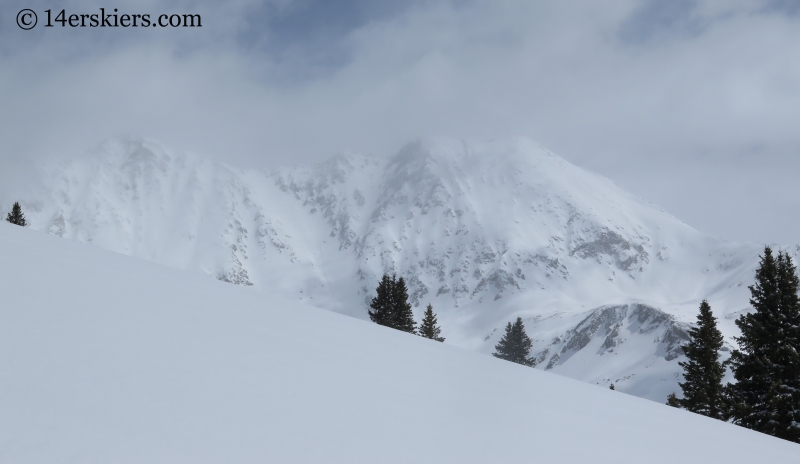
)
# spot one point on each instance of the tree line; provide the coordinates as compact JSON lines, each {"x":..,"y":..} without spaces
{"x":766,"y":366}
{"x":391,"y":308}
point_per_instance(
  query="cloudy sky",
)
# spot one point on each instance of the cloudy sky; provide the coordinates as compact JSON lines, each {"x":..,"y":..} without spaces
{"x":691,"y":104}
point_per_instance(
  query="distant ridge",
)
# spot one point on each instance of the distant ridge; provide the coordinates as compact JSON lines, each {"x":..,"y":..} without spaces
{"x":485,"y":232}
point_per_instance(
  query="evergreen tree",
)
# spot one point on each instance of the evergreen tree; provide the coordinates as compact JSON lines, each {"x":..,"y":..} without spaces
{"x":428,"y":328}
{"x":402,"y":316}
{"x":390,"y":306}
{"x":766,"y":396}
{"x":611,"y":387}
{"x":515,"y":346}
{"x":703,"y":372}
{"x":16,"y":216}
{"x":673,"y":401}
{"x":383,"y":303}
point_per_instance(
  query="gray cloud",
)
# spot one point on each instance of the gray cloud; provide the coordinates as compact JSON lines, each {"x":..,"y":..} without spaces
{"x":310,"y":35}
{"x":653,"y":17}
{"x":791,"y":7}
{"x":690,"y":104}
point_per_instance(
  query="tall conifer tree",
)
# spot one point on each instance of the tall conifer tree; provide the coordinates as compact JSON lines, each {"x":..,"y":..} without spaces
{"x":787,"y":360}
{"x":515,"y":346}
{"x":403,"y":317}
{"x":429,"y":328}
{"x":383,"y":303}
{"x":703,"y":372}
{"x":16,"y":216}
{"x":766,"y":396}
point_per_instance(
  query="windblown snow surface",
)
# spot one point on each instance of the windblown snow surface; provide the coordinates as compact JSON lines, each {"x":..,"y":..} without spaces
{"x":106,"y":359}
{"x":485,"y":232}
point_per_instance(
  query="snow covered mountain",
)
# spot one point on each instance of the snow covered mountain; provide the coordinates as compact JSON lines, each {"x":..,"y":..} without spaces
{"x":106,"y":358}
{"x":485,"y":232}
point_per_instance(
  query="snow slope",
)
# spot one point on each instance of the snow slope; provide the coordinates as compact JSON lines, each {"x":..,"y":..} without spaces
{"x":485,"y":232}
{"x":106,"y":358}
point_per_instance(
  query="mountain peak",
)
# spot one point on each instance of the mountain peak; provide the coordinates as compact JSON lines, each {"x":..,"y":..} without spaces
{"x":483,"y":231}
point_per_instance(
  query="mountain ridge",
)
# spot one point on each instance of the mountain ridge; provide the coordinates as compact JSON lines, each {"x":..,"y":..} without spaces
{"x":483,"y":231}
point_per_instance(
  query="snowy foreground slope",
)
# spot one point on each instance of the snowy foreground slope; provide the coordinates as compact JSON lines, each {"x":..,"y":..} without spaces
{"x":106,"y":358}
{"x":485,"y":232}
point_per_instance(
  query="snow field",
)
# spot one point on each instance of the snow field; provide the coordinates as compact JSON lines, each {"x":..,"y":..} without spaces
{"x":106,"y":358}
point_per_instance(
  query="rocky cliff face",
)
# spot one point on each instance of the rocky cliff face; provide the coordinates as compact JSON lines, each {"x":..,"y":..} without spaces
{"x":484,"y":232}
{"x":613,"y":325}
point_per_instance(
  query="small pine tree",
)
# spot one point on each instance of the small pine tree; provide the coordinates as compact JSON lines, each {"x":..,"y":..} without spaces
{"x":766,"y":397}
{"x":428,"y":328}
{"x":515,"y":346}
{"x":611,"y":387}
{"x":16,"y":216}
{"x":702,"y":391}
{"x":673,"y":401}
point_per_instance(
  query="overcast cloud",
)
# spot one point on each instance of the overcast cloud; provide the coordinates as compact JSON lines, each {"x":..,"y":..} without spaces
{"x":693,"y":105}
